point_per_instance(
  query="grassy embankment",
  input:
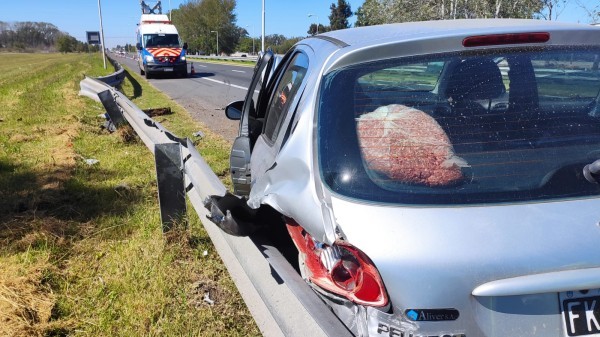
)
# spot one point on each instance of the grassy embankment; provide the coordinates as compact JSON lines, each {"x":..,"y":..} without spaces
{"x":81,"y":249}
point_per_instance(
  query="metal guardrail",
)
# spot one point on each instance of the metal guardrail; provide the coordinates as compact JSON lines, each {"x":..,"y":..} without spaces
{"x":281,"y":303}
{"x":115,"y":79}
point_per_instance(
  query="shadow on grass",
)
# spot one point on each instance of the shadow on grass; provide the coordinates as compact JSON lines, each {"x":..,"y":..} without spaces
{"x":56,"y":204}
{"x":137,"y":88}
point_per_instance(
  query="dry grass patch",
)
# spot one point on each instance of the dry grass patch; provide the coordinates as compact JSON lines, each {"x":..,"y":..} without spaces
{"x":26,"y":302}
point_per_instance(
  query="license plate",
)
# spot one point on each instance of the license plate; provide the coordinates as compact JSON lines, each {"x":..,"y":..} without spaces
{"x":168,"y":69}
{"x":581,"y":312}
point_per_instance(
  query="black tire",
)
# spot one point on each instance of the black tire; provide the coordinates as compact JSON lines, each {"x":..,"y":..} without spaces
{"x":142,"y":72}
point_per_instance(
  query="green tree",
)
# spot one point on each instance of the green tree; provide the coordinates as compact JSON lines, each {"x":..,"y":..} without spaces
{"x":286,"y":45}
{"x":29,"y":35}
{"x":245,"y":44}
{"x":338,"y":19}
{"x":365,"y":14}
{"x":65,"y":44}
{"x":312,"y":30}
{"x":198,"y":21}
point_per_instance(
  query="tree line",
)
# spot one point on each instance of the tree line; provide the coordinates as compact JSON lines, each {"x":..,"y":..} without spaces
{"x":38,"y":36}
{"x":209,"y":26}
{"x":198,"y":21}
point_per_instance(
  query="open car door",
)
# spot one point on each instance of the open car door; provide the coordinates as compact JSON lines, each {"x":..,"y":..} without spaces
{"x":251,"y":123}
{"x":230,"y":212}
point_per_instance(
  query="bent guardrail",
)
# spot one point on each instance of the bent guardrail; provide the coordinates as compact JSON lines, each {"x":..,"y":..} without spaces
{"x":281,"y":303}
{"x":115,"y":79}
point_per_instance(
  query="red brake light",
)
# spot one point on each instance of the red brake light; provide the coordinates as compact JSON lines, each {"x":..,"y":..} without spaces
{"x":500,"y":39}
{"x":341,"y":269}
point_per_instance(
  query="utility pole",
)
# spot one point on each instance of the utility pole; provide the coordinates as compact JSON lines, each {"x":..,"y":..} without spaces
{"x":102,"y":35}
{"x":216,"y":31}
{"x":263,"y":27}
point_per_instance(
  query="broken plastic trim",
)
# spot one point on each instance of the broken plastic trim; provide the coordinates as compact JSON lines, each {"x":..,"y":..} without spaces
{"x":341,"y":269}
{"x":232,"y":214}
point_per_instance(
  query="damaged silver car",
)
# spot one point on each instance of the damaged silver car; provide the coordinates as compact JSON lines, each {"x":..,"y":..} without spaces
{"x":436,"y":178}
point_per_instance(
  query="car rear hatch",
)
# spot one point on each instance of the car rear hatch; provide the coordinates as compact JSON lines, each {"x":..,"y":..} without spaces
{"x":506,"y":270}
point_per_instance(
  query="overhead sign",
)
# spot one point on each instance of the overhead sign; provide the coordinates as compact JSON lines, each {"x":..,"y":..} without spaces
{"x":93,"y":38}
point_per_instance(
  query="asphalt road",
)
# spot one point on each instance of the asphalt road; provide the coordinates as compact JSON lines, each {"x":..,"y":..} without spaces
{"x":206,"y":93}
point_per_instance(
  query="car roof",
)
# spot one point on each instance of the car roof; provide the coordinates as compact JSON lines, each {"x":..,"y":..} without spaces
{"x":398,"y":32}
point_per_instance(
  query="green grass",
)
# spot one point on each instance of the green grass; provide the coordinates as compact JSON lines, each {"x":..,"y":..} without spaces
{"x":81,"y":247}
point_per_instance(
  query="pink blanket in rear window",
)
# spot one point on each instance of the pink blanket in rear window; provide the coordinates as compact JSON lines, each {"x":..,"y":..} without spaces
{"x":407,"y":145}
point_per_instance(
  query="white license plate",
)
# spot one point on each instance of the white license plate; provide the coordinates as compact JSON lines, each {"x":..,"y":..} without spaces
{"x":581,"y":312}
{"x":168,"y":69}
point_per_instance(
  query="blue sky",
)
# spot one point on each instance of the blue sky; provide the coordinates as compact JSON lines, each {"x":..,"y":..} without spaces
{"x":286,"y":17}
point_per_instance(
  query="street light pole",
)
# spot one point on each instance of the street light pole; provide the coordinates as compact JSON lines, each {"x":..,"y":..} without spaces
{"x":216,"y":31}
{"x":263,"y":27}
{"x":102,"y":34}
{"x":311,"y":15}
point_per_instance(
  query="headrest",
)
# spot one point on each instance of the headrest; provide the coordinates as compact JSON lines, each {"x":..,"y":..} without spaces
{"x":474,"y":79}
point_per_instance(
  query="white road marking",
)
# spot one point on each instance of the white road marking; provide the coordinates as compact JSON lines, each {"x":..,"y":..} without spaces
{"x":239,"y":71}
{"x":227,"y":84}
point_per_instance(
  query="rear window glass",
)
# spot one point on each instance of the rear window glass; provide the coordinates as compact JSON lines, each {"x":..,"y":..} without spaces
{"x":461,"y":129}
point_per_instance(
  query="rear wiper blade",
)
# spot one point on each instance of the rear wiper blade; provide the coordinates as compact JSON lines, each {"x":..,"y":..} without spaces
{"x":591,"y":172}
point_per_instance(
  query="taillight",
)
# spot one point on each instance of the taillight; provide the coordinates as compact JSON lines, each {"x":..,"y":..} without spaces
{"x":500,"y":39}
{"x":341,"y":269}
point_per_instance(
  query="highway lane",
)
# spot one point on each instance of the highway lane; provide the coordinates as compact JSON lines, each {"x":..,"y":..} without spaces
{"x":206,"y":93}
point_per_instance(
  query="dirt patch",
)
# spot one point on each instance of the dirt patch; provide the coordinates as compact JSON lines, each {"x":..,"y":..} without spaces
{"x":26,"y":303}
{"x":29,"y":231}
{"x":20,"y":138}
{"x":127,"y":134}
{"x":158,"y":112}
{"x":206,"y":292}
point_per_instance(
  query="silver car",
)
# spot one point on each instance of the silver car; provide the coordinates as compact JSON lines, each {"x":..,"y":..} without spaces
{"x":436,"y":178}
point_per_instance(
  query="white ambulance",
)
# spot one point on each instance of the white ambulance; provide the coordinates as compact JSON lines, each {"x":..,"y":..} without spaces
{"x":160,"y":50}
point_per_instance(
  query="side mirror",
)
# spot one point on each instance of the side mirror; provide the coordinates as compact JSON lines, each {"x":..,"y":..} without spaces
{"x":185,"y":45}
{"x":233,"y":111}
{"x":138,"y":46}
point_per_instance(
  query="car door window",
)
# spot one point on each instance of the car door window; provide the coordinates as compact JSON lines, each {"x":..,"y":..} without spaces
{"x":285,"y":91}
{"x":262,"y":72}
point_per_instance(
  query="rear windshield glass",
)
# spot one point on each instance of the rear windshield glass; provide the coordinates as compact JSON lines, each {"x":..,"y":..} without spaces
{"x":461,"y":129}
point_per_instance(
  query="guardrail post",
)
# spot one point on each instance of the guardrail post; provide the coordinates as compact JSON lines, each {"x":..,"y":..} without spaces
{"x":171,"y":184}
{"x":114,"y":112}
